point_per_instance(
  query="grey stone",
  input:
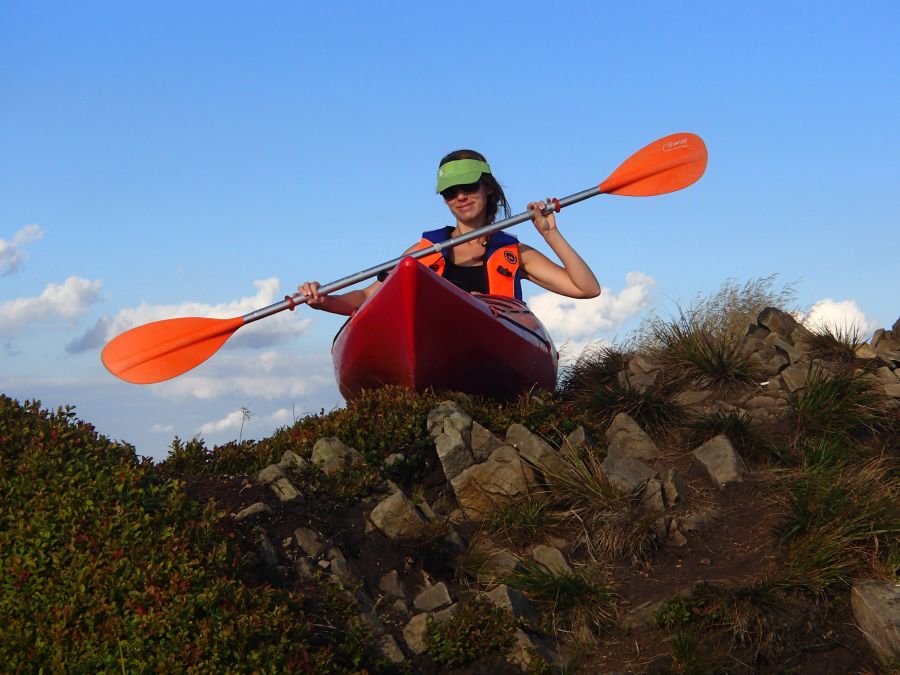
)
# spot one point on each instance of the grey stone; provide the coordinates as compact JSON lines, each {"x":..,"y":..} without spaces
{"x":653,"y":499}
{"x":626,"y":435}
{"x":483,"y":442}
{"x":779,"y":343}
{"x":721,"y":462}
{"x":641,"y":616}
{"x":625,"y":474}
{"x":397,"y":518}
{"x":482,"y":487}
{"x":512,"y":601}
{"x":391,"y":585}
{"x":252,"y":511}
{"x":674,"y":535}
{"x":291,"y":460}
{"x":580,"y":438}
{"x":498,"y":566}
{"x":305,"y":568}
{"x":455,"y":542}
{"x":435,"y":420}
{"x":794,"y":377}
{"x":461,"y":423}
{"x":331,"y":455}
{"x":551,"y":558}
{"x":274,"y":478}
{"x":343,"y":570}
{"x":444,"y":615}
{"x":414,"y":633}
{"x":534,"y":449}
{"x":392,"y":459}
{"x":865,"y":351}
{"x":399,"y":605}
{"x":309,"y":541}
{"x":692,"y":397}
{"x":876,"y":608}
{"x":777,"y":321}
{"x":389,"y":648}
{"x":267,"y":550}
{"x":641,"y":363}
{"x":528,"y":647}
{"x":432,"y":598}
{"x":674,"y":488}
{"x":453,"y":451}
{"x":334,"y":553}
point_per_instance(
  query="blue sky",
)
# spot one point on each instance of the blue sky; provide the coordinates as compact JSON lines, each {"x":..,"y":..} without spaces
{"x":164,"y":159}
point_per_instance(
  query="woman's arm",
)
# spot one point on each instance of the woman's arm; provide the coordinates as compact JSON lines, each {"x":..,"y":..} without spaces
{"x":346,"y":303}
{"x":574,"y":278}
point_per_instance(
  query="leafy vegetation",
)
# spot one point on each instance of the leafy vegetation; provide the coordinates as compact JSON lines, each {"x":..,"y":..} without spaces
{"x":475,"y":630}
{"x":107,"y":565}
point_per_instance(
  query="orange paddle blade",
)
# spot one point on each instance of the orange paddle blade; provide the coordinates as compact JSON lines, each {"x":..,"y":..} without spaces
{"x":164,"y":349}
{"x":663,"y":166}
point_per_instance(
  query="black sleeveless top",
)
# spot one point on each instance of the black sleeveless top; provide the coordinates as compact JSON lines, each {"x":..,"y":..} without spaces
{"x":469,"y":279}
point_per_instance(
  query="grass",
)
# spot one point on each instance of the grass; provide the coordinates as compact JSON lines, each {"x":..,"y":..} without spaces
{"x":572,"y":596}
{"x":737,"y":425}
{"x":844,"y":522}
{"x":843,"y":405}
{"x":836,"y":342}
{"x":522,"y":521}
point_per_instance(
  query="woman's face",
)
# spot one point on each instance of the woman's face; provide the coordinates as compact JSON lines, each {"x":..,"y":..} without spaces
{"x":469,"y":207}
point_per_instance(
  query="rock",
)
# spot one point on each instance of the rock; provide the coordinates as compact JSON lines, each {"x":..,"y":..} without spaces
{"x":274,"y":477}
{"x":389,"y":648}
{"x":343,"y":569}
{"x":414,"y":633}
{"x":391,"y":585}
{"x":460,"y":423}
{"x":445,"y":615}
{"x":455,"y":542}
{"x":626,"y":435}
{"x":534,"y":450}
{"x":309,"y":541}
{"x":483,"y":442}
{"x":433,"y":597}
{"x":267,"y":550}
{"x":435,"y":420}
{"x":331,"y":455}
{"x":291,"y":460}
{"x":794,"y":377}
{"x":865,"y":351}
{"x":526,"y":647}
{"x":876,"y":607}
{"x":640,"y":364}
{"x":692,"y":397}
{"x":675,"y":537}
{"x":498,"y":566}
{"x":641,"y":616}
{"x":305,"y":568}
{"x":453,"y":450}
{"x":653,"y":499}
{"x":399,"y":605}
{"x":579,"y":439}
{"x":480,"y":488}
{"x":252,"y":511}
{"x":721,"y":462}
{"x":551,"y":558}
{"x":512,"y":601}
{"x":625,"y":474}
{"x":674,"y":488}
{"x":777,"y":321}
{"x":793,"y":354}
{"x":397,"y":518}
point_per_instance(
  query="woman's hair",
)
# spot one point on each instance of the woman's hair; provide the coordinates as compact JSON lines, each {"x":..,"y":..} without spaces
{"x":496,"y":200}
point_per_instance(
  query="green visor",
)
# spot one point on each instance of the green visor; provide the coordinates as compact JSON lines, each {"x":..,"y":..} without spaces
{"x":460,"y":172}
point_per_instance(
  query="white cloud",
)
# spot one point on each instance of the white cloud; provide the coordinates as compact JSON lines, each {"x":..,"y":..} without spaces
{"x":234,"y":419}
{"x":267,"y":375}
{"x":263,"y":333}
{"x":576,"y":323}
{"x":11,"y":253}
{"x":839,"y":315}
{"x":162,"y":428}
{"x":68,"y":301}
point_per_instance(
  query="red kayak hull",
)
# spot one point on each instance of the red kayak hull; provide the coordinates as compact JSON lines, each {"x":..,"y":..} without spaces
{"x":420,"y":331}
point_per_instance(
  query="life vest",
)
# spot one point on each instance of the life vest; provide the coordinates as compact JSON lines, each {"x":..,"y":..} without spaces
{"x":501,"y":261}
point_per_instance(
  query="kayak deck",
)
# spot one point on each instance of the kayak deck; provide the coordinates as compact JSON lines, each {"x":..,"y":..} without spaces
{"x":420,"y":331}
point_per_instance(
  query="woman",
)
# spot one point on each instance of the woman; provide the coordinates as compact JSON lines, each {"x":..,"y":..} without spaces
{"x":494,"y":263}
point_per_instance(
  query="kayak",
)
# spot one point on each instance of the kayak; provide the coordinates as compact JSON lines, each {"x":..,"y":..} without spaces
{"x":420,"y":331}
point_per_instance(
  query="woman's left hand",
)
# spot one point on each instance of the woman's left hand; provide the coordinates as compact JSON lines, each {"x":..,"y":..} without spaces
{"x":543,"y":223}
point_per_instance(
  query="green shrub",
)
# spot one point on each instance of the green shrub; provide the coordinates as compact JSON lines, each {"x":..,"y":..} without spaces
{"x":106,"y":565}
{"x":475,"y":630}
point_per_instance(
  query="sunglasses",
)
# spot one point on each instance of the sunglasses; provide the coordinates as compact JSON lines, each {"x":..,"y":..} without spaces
{"x":470,"y":188}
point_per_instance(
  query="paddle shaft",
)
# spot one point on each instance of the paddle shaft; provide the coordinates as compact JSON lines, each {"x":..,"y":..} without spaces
{"x":298,"y":298}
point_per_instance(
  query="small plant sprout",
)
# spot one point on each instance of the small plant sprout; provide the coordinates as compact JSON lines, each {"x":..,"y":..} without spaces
{"x":245,"y":417}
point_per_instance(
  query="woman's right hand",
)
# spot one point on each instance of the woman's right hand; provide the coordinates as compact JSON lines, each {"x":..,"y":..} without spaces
{"x":310,"y":289}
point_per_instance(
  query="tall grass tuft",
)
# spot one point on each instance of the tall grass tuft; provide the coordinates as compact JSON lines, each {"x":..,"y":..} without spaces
{"x":844,"y":522}
{"x":738,"y":427}
{"x":564,"y":590}
{"x":841,"y":405}
{"x":836,"y":342}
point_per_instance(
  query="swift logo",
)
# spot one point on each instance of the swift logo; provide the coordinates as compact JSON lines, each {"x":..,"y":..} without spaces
{"x":674,"y":145}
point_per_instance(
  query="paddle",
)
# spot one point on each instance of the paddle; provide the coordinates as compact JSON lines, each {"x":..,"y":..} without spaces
{"x":165,"y":349}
